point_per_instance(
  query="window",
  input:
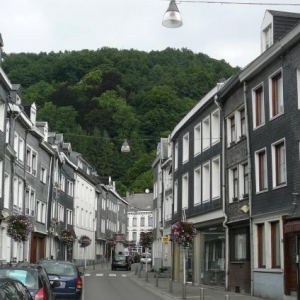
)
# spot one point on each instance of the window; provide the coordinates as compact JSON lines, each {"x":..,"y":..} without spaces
{"x":275,"y":245}
{"x":41,"y":211}
{"x":232,"y":136}
{"x":215,"y":176}
{"x":2,"y":115}
{"x":279,"y":163}
{"x":197,"y":186}
{"x":261,"y":170}
{"x":197,"y":139}
{"x":19,"y":147}
{"x":61,"y":213}
{"x":70,"y":188}
{"x":185,"y":148}
{"x":176,"y":156}
{"x":268,"y":37}
{"x":43,"y":175}
{"x":242,"y":123}
{"x":175,"y":196}
{"x":1,"y":177}
{"x":7,"y":131}
{"x":206,"y":133}
{"x":18,"y":192}
{"x":261,"y":246}
{"x":206,"y":182}
{"x":276,"y":94}
{"x":185,"y":191}
{"x":62,"y":183}
{"x":29,"y":201}
{"x":134,"y":236}
{"x":134,"y":221}
{"x":235,"y":184}
{"x":240,"y":246}
{"x":69,"y":217}
{"x":142,"y":221}
{"x":31,"y":159}
{"x":215,"y":127}
{"x":244,"y":183}
{"x":6,"y":190}
{"x":298,"y":87}
{"x":258,"y":107}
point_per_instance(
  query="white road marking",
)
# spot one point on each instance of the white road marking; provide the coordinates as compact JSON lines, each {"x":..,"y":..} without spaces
{"x":99,"y":274}
{"x":113,"y":275}
{"x":86,"y":275}
{"x":124,"y":275}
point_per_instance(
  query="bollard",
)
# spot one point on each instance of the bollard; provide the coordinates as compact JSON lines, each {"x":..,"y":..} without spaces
{"x":156,"y":280}
{"x":140,"y":269}
{"x":94,"y":265}
{"x":201,"y":293}
{"x":184,"y":291}
{"x":146,"y":276}
{"x":227,"y":297}
{"x":136,"y":270}
{"x":170,"y":285}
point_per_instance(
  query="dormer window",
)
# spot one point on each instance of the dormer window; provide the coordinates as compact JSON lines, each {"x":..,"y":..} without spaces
{"x":268,"y":37}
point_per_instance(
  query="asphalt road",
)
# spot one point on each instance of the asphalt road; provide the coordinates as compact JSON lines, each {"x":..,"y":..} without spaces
{"x":114,"y":285}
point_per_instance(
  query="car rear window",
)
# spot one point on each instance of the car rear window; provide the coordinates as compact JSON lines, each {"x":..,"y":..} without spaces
{"x":119,"y":258}
{"x":27,"y":277}
{"x":59,"y":269}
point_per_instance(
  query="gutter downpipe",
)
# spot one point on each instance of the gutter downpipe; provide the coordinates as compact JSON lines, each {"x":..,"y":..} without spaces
{"x":250,"y":191}
{"x":223,"y":196}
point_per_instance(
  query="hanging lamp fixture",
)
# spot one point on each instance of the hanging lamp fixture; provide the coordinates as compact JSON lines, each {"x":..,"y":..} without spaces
{"x":172,"y":17}
{"x":125,"y":147}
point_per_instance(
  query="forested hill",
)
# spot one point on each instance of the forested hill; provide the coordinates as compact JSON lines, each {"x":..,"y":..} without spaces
{"x":99,"y":98}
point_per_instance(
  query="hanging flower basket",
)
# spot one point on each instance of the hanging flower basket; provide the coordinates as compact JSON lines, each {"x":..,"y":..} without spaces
{"x":111,"y":242}
{"x":66,"y":237}
{"x":146,"y":239}
{"x":19,"y":228}
{"x":84,"y":241}
{"x":128,"y":244}
{"x":183,"y":233}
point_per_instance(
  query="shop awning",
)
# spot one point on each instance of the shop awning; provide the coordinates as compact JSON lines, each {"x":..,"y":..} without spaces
{"x":291,"y":226}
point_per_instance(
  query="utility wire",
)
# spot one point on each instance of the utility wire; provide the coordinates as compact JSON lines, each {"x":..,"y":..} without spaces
{"x":237,"y":3}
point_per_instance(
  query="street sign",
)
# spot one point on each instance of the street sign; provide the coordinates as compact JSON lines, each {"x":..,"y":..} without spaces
{"x":165,"y":239}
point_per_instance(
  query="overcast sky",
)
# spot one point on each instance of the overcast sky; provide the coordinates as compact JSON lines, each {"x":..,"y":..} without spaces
{"x":222,"y":31}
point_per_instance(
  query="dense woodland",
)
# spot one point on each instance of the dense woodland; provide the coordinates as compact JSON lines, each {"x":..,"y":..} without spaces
{"x":99,"y":98}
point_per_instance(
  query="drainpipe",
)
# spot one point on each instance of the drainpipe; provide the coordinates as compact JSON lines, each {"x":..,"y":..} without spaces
{"x":250,"y":189}
{"x":224,"y":196}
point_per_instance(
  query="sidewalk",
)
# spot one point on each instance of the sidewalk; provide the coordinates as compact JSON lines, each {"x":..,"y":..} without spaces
{"x":168,"y":289}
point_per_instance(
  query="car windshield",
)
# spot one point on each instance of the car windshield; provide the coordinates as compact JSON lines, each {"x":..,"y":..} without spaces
{"x":58,"y":268}
{"x":119,"y":258}
{"x":27,"y":277}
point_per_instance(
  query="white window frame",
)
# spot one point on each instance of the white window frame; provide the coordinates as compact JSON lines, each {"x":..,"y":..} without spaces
{"x":69,"y":216}
{"x":43,"y":174}
{"x":70,"y":188}
{"x":185,"y":191}
{"x":18,"y":186}
{"x":215,"y":127}
{"x":175,"y":196}
{"x":41,"y":211}
{"x":62,"y":183}
{"x":206,"y":133}
{"x":2,"y":115}
{"x":19,"y":147}
{"x":197,"y":139}
{"x":298,"y":86}
{"x":206,"y":181}
{"x":216,"y":177}
{"x":257,"y":171}
{"x":32,"y":159}
{"x":176,"y":156}
{"x":185,"y":148}
{"x":197,"y":186}
{"x":262,"y":106}
{"x":280,"y":96}
{"x":6,"y":190}
{"x":274,"y":164}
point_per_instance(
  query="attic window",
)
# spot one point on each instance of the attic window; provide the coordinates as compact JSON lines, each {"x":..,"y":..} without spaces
{"x":268,"y":38}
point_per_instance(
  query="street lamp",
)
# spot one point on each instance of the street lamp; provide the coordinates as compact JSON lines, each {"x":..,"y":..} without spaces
{"x":172,"y":17}
{"x":125,"y":147}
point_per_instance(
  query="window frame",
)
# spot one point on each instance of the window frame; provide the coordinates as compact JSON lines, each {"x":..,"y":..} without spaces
{"x":279,"y":163}
{"x":276,"y":99}
{"x":261,"y":170}
{"x":258,"y":106}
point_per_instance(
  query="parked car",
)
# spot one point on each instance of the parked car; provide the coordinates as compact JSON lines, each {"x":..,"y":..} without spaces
{"x":67,"y":273}
{"x":13,"y":289}
{"x":121,"y":262}
{"x":34,"y":277}
{"x":146,"y":257}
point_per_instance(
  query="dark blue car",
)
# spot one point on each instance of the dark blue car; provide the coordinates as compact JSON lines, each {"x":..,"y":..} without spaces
{"x":68,"y":275}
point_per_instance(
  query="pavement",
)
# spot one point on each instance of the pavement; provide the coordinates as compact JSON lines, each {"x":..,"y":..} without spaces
{"x":168,"y":289}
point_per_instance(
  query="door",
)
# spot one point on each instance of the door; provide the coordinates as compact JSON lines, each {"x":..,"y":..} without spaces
{"x":291,"y":267}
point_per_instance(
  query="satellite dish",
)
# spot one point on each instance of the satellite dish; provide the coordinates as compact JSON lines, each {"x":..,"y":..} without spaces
{"x":147,"y":191}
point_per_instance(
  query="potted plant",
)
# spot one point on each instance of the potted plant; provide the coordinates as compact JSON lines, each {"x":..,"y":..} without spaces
{"x":66,"y":237}
{"x":19,"y":228}
{"x":84,"y":241}
{"x":183,"y":233}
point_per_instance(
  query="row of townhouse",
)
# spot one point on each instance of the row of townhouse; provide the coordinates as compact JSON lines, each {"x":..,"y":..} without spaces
{"x":232,"y":168}
{"x":42,"y":178}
